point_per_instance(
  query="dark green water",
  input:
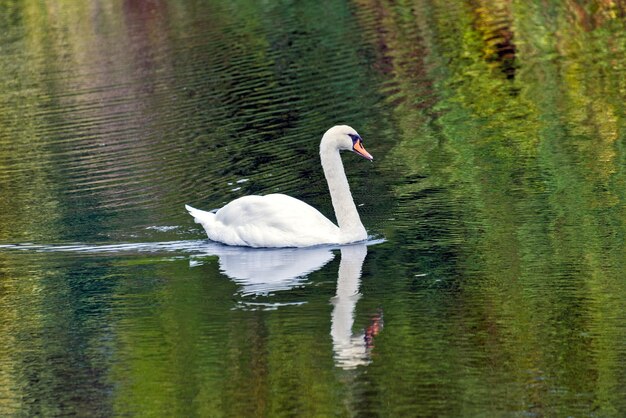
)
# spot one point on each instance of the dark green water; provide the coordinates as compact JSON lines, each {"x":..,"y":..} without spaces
{"x":494,"y":283}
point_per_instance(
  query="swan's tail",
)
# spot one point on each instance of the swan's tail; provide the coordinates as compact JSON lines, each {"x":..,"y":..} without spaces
{"x":200,"y":216}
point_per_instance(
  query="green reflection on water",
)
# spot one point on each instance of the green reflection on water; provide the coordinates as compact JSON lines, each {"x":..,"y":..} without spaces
{"x":498,"y":184}
{"x":516,"y":175}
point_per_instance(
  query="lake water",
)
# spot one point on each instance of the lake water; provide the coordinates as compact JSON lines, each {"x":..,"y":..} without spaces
{"x":494,"y":281}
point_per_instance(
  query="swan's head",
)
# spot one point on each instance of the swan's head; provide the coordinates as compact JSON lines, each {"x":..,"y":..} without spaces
{"x":343,"y":137}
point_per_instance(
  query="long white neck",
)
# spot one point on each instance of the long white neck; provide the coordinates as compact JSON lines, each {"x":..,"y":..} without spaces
{"x":348,"y":219}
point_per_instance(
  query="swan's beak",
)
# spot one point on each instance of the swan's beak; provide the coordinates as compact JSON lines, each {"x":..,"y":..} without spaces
{"x":359,"y":149}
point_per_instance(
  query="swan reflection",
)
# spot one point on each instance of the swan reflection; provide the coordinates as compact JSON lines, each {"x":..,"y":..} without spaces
{"x":351,"y":349}
{"x":264,"y":271}
{"x":261,"y":271}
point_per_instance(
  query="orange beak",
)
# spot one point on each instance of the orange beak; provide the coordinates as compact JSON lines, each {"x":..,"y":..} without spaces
{"x":358,"y":148}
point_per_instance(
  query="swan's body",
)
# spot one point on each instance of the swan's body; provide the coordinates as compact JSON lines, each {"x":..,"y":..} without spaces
{"x":278,"y":220}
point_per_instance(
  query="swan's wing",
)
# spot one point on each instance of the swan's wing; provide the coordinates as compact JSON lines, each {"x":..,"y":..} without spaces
{"x":275,"y":220}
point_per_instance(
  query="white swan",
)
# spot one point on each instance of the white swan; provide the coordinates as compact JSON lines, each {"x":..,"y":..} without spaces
{"x":278,"y":220}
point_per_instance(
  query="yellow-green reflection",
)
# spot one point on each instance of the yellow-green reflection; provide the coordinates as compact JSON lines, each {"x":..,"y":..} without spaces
{"x":516,"y":160}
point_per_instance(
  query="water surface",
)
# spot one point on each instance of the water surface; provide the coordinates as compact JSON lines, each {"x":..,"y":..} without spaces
{"x":493,"y":283}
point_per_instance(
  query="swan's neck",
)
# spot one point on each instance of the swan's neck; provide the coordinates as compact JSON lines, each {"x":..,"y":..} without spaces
{"x":348,"y":219}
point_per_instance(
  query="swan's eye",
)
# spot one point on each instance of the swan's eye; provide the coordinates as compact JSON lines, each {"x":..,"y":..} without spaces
{"x":355,"y":138}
